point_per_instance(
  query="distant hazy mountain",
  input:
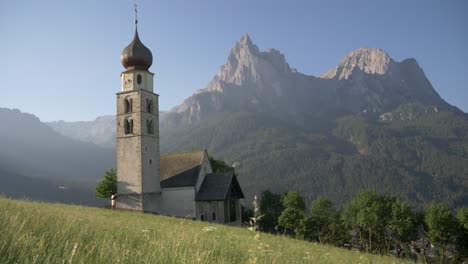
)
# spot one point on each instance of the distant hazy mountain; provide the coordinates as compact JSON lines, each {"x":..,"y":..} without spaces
{"x":31,"y":149}
{"x":370,"y":122}
{"x":17,"y":186}
{"x":101,"y":131}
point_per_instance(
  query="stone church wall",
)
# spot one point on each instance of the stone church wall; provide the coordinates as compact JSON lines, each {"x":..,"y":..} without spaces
{"x":129,"y":202}
{"x":150,"y":156}
{"x":138,"y":152}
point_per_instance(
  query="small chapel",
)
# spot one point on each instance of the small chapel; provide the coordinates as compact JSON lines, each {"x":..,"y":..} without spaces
{"x":179,"y":184}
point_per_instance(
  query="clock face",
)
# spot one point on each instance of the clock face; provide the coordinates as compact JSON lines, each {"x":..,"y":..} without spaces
{"x":128,"y":81}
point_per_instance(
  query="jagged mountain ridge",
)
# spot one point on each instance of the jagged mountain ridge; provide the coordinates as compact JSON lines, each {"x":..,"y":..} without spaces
{"x":365,"y":80}
{"x":255,"y":81}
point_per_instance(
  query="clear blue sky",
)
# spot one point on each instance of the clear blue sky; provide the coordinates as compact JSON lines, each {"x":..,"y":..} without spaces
{"x":61,"y":59}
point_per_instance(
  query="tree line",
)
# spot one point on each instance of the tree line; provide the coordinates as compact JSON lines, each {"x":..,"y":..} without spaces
{"x":371,"y":222}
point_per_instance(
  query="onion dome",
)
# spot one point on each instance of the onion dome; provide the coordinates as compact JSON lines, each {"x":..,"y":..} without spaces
{"x":136,"y":55}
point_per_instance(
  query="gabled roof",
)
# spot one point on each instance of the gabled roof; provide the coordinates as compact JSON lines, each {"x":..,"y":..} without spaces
{"x":220,"y":186}
{"x":181,"y":169}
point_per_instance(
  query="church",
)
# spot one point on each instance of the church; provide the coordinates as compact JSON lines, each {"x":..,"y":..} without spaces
{"x":179,"y":184}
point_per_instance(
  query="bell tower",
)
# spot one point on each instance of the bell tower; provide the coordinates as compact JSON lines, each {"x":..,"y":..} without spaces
{"x":138,"y":154}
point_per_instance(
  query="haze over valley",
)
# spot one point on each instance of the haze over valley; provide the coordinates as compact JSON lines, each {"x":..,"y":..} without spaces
{"x":370,"y":122}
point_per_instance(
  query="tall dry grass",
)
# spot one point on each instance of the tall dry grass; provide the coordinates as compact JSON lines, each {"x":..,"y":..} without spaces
{"x":54,"y":233}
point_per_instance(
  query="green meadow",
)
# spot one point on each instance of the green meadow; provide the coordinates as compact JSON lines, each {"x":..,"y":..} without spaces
{"x":33,"y":232}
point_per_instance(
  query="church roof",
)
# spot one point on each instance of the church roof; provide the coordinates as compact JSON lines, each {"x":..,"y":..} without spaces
{"x":220,"y":186}
{"x":181,"y":169}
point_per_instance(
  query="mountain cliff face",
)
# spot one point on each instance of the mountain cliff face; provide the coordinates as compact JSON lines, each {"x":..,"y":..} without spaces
{"x":370,"y":122}
{"x":256,"y":81}
{"x":366,"y":60}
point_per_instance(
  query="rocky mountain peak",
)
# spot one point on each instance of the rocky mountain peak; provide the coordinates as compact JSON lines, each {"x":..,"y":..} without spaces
{"x":367,"y":60}
{"x":246,"y":64}
{"x":248,"y":73}
{"x":245,"y":46}
{"x":245,"y":40}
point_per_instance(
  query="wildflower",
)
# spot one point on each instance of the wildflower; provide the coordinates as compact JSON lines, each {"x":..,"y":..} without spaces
{"x":73,"y":252}
{"x":209,"y":229}
{"x":254,"y":220}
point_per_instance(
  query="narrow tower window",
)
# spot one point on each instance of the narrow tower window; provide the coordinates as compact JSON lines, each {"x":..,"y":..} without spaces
{"x":128,"y":126}
{"x":128,"y":105}
{"x":139,"y":79}
{"x":149,"y":127}
{"x":149,"y":105}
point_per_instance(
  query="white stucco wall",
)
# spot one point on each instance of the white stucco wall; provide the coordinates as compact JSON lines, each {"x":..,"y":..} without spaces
{"x":205,"y":169}
{"x":149,"y":82}
{"x":146,"y":78}
{"x":179,"y":202}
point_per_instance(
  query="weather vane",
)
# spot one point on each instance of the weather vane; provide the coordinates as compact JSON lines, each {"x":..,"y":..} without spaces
{"x":136,"y":13}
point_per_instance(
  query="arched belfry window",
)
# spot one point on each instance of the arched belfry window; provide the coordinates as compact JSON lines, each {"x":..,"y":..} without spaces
{"x":149,"y":105}
{"x":139,"y":79}
{"x":128,"y":105}
{"x":149,"y":127}
{"x":128,"y":126}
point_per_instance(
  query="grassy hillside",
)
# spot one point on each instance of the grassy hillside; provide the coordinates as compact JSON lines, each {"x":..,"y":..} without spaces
{"x":54,"y":233}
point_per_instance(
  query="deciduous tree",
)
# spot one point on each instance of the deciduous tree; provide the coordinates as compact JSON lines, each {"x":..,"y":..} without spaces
{"x":108,"y":186}
{"x":462,"y":240}
{"x":326,"y":222}
{"x":271,"y":209}
{"x":441,"y":227}
{"x":402,"y":225}
{"x":369,"y":213}
{"x":294,"y":212}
